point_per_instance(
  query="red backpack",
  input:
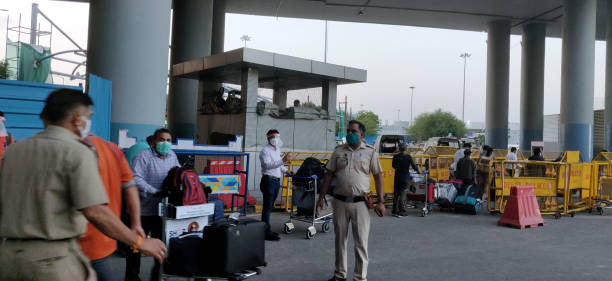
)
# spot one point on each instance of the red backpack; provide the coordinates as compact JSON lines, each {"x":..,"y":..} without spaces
{"x":183,"y":187}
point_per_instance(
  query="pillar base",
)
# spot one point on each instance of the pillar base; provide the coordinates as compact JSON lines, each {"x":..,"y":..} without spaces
{"x":578,"y":137}
{"x":138,"y":131}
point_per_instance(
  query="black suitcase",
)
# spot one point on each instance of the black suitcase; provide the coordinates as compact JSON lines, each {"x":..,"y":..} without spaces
{"x":184,"y":255}
{"x":233,"y":246}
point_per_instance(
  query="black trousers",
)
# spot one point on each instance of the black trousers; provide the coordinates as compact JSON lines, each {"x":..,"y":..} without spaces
{"x":269,"y":187}
{"x":152,"y":225}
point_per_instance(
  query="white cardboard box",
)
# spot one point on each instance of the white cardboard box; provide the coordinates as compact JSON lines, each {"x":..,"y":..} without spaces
{"x":192,"y":211}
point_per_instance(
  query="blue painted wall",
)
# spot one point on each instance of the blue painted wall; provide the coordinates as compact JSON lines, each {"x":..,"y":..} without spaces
{"x":22,"y":102}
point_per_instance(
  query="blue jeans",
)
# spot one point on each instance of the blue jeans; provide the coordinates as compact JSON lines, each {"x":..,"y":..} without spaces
{"x":104,"y":269}
{"x":269,"y":187}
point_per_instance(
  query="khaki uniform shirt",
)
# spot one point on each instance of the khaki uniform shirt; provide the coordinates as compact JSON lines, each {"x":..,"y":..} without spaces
{"x":44,"y":181}
{"x":352,"y":169}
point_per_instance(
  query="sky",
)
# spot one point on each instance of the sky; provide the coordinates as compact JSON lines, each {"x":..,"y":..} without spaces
{"x":395,"y":57}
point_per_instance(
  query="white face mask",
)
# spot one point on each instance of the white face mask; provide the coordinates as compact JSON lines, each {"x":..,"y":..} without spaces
{"x":277,"y":142}
{"x":85,"y":131}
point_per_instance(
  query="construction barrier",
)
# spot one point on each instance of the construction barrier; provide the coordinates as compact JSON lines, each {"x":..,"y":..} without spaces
{"x":543,"y":176}
{"x":522,"y":209}
{"x":563,"y":187}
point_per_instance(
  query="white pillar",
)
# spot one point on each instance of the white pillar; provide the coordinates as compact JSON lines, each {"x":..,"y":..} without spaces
{"x":249,"y":87}
{"x":577,"y":76}
{"x":128,"y":44}
{"x":498,"y":77}
{"x":279,"y":96}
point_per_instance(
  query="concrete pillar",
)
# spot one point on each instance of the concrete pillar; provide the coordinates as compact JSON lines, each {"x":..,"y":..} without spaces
{"x":279,"y":97}
{"x":330,"y":93}
{"x":128,"y":44}
{"x":218,"y":27}
{"x":608,"y":102}
{"x":191,"y":38}
{"x":249,"y":87}
{"x":577,"y":76}
{"x":498,"y":77}
{"x":532,"y":84}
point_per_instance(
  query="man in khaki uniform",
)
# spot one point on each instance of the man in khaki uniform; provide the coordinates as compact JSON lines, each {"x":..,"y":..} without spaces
{"x":352,"y":164}
{"x":49,"y":188}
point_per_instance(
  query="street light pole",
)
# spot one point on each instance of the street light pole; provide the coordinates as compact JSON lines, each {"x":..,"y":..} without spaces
{"x":465,"y":56}
{"x":411,"y":107}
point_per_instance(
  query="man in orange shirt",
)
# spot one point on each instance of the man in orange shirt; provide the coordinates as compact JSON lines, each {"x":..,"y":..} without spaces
{"x":118,"y":180}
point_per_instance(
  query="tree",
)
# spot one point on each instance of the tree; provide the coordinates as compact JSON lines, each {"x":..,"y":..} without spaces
{"x":5,"y":72}
{"x":370,"y":120}
{"x":436,"y":124}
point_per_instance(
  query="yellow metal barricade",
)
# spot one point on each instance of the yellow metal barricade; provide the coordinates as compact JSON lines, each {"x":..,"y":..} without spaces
{"x":297,"y":158}
{"x":561,"y":187}
{"x":544,"y":176}
{"x":388,"y":173}
{"x":601,"y":169}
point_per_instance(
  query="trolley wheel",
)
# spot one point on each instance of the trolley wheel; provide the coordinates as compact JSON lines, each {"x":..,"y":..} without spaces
{"x":572,"y":215}
{"x":287,"y":229}
{"x":325,"y":227}
{"x":557,"y":216}
{"x":309,"y":235}
{"x":590,"y":210}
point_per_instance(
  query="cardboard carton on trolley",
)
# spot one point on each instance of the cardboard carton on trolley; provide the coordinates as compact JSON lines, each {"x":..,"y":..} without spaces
{"x":191,"y":211}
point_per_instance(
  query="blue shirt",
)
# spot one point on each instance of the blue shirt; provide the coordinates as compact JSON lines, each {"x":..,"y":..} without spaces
{"x":149,"y":173}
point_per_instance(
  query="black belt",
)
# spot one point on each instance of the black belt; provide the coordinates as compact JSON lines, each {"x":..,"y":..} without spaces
{"x":272,"y":177}
{"x":350,"y":199}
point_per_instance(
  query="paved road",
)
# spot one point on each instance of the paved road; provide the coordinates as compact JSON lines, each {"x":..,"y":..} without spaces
{"x":447,"y":246}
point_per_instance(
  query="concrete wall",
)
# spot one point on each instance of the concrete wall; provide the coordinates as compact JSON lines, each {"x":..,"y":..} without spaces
{"x":297,"y":135}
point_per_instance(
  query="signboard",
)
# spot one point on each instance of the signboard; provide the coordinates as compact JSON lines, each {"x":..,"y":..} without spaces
{"x":221,"y":184}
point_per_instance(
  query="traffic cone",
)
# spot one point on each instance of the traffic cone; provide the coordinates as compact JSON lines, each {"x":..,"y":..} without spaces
{"x":522,"y":209}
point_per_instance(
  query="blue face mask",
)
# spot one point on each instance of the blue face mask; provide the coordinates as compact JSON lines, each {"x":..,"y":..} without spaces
{"x":163,"y":147}
{"x":352,"y":139}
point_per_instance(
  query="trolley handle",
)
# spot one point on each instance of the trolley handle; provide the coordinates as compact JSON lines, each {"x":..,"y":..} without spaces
{"x":313,"y":177}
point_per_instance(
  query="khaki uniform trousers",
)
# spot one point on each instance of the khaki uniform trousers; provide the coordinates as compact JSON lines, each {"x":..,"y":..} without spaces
{"x":358,"y":216}
{"x":31,"y":260}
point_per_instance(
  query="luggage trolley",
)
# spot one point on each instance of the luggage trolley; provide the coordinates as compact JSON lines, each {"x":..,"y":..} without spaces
{"x":192,"y":222}
{"x":303,"y":197}
{"x":168,"y":222}
{"x":421,"y":187}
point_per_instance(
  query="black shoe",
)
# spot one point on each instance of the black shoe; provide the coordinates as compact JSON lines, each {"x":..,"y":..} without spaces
{"x":272,"y":237}
{"x":337,"y":279}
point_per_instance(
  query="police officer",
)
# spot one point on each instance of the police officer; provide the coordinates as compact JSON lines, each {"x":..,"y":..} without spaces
{"x":352,"y":164}
{"x":49,"y":188}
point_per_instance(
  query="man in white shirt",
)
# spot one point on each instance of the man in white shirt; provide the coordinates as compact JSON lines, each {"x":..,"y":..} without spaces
{"x":511,"y":156}
{"x":458,"y":155}
{"x":272,"y":170}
